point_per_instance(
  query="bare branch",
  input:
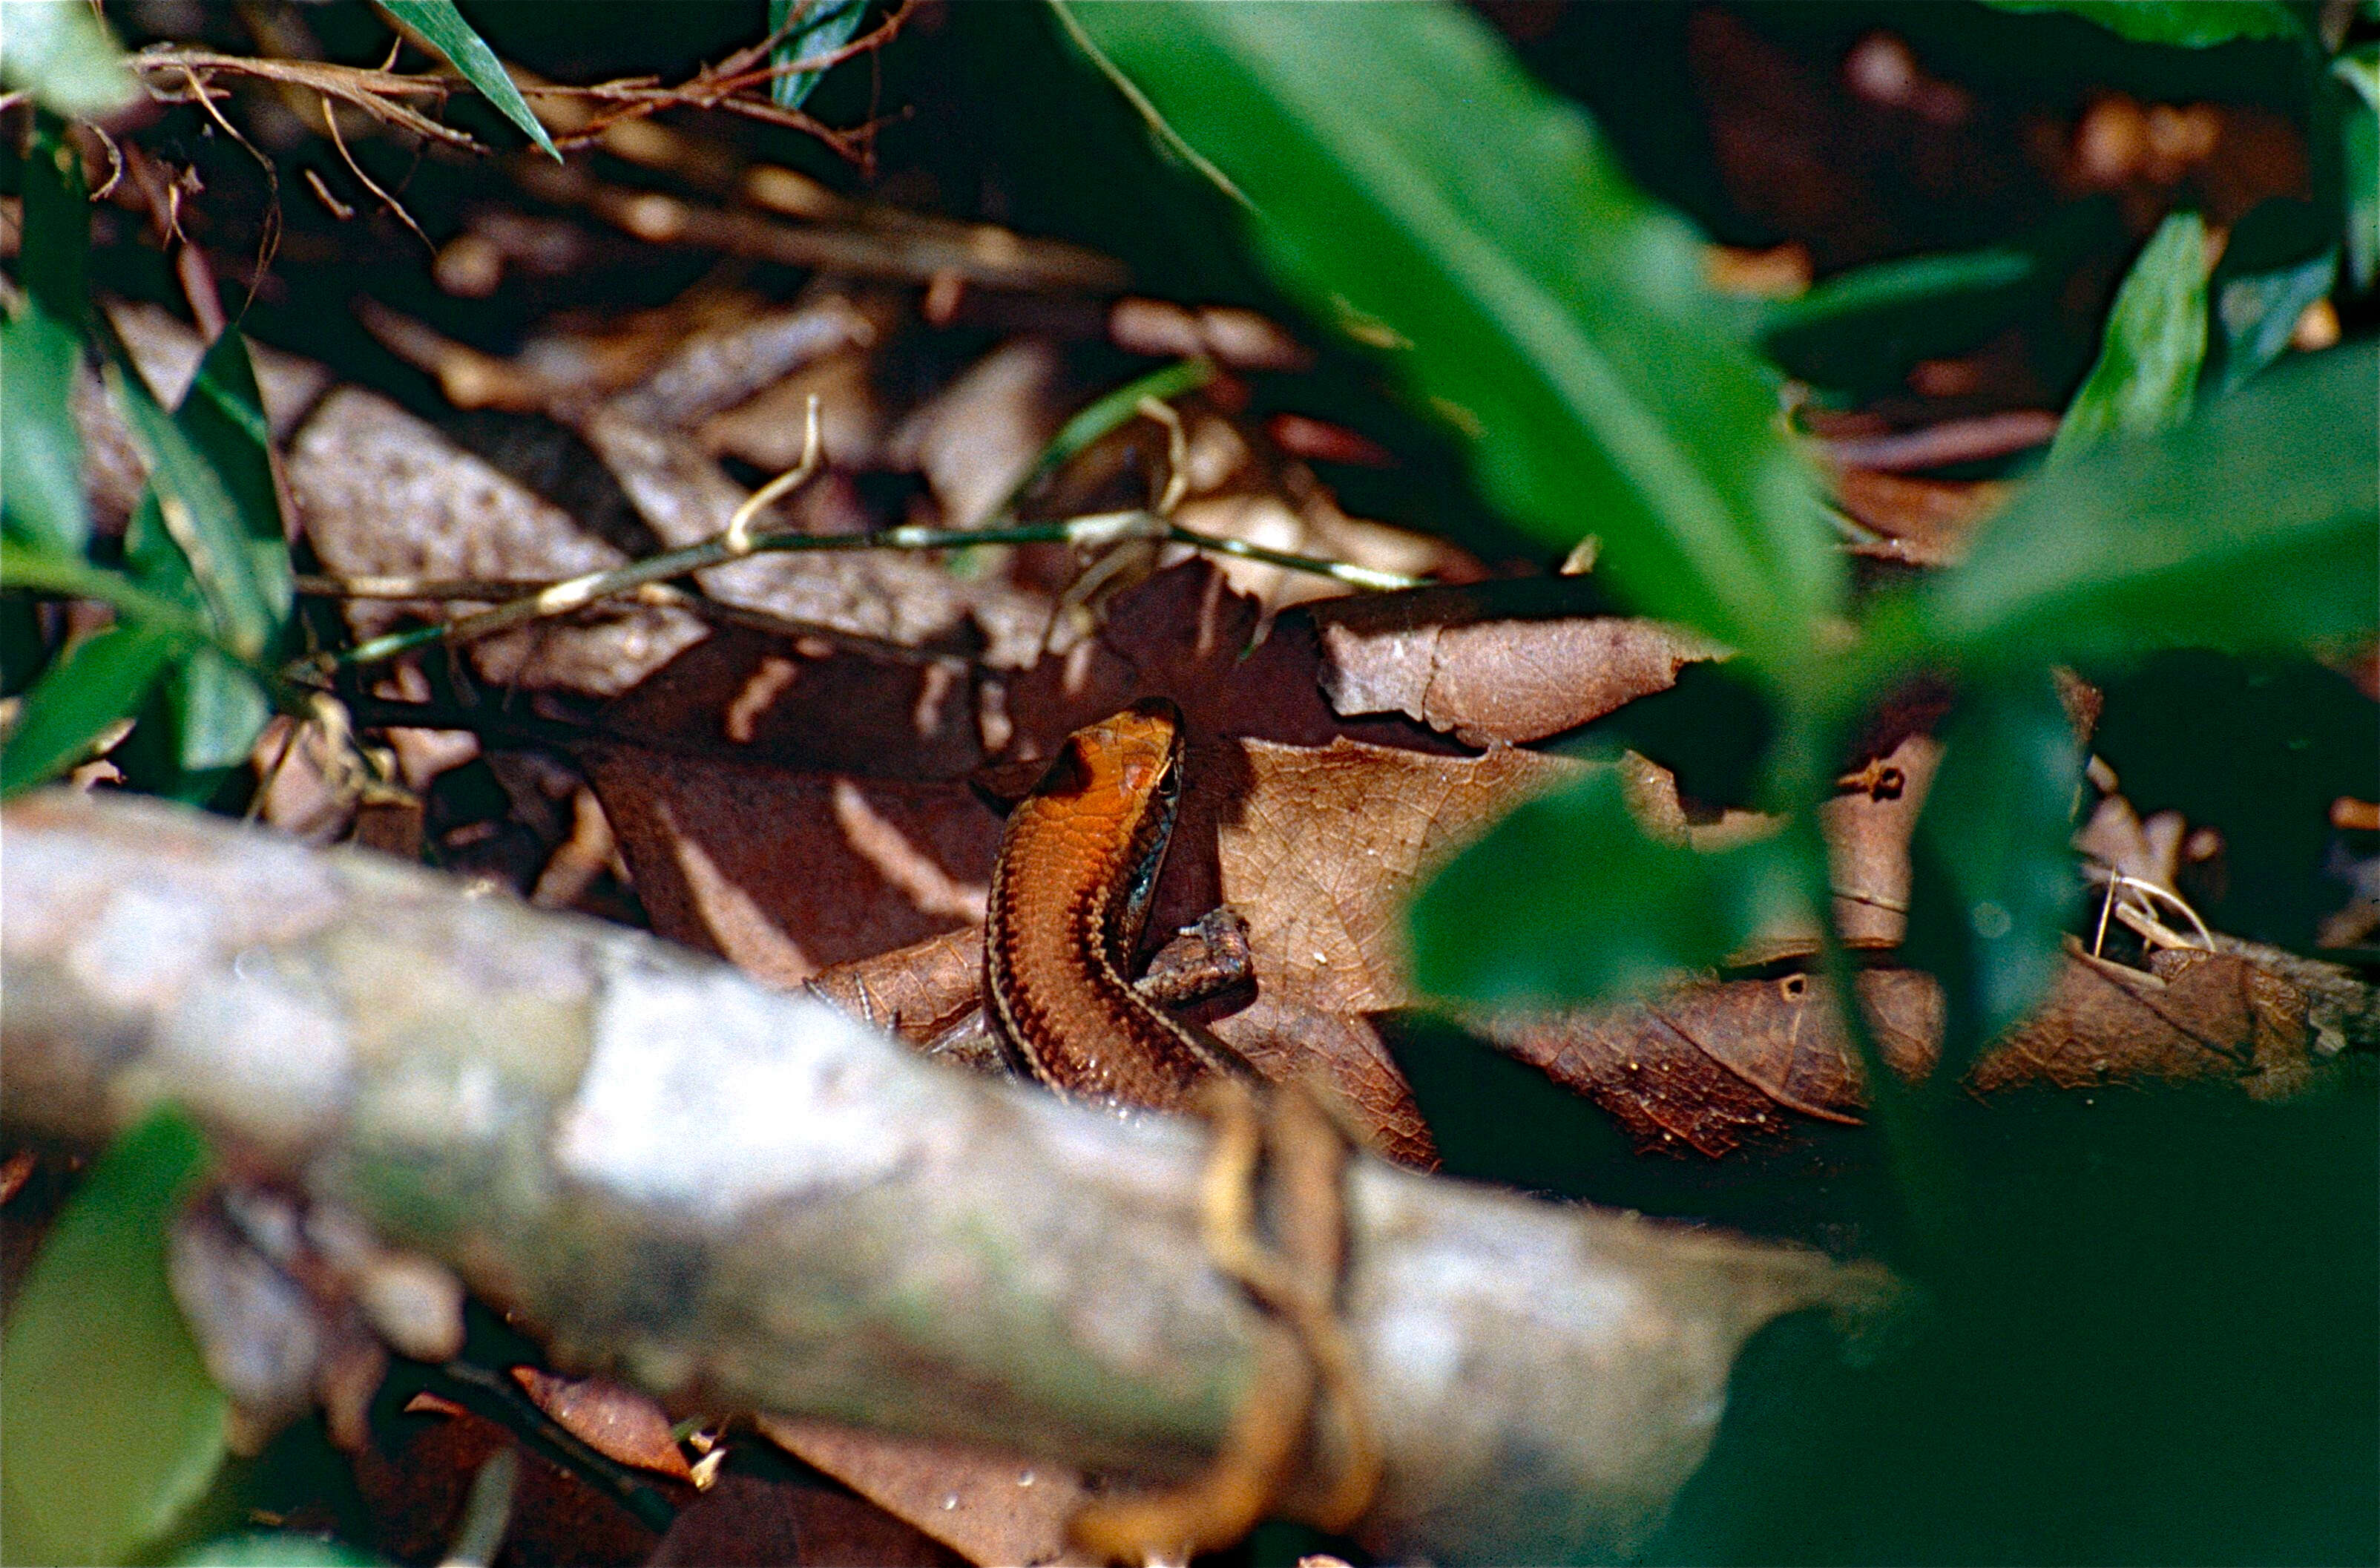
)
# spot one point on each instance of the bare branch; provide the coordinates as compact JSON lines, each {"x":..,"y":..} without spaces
{"x":739,"y":1197}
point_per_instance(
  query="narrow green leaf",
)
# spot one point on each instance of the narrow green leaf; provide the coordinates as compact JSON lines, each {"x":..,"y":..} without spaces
{"x":2184,"y":24}
{"x":2257,"y":312}
{"x":41,"y":452}
{"x":1568,"y":900}
{"x":1407,"y":175}
{"x":222,"y":414}
{"x":1912,"y":282}
{"x":2156,"y":341}
{"x":826,"y":26}
{"x":199,"y":512}
{"x":441,"y":27}
{"x":2359,"y":121}
{"x":111,"y":1425}
{"x":60,"y":52}
{"x":102,"y":679}
{"x":2254,"y":526}
{"x":44,"y":571}
{"x":1993,"y":875}
{"x":212,"y":707}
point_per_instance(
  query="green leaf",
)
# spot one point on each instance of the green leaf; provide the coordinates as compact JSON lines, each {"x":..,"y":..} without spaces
{"x":102,"y":679}
{"x":2280,"y":259}
{"x":198,"y":510}
{"x":213,"y":707}
{"x":222,"y":414}
{"x":1568,"y":900}
{"x":2156,"y":341}
{"x":41,"y":452}
{"x":111,"y":1425}
{"x":2185,"y":24}
{"x":2359,"y":158}
{"x":441,"y":27}
{"x":1912,"y":282}
{"x":2254,"y":526}
{"x":60,"y":52}
{"x":1410,"y":177}
{"x":1993,"y":879}
{"x":826,"y":26}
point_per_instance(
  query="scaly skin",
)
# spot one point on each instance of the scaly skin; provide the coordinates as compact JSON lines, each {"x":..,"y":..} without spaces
{"x":1069,"y":896}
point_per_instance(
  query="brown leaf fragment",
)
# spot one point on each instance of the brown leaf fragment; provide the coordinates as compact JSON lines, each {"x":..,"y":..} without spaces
{"x":745,"y":1519}
{"x":618,"y":1423}
{"x":1320,"y":847}
{"x":918,"y":991}
{"x":1707,"y":1068}
{"x":1924,"y":522}
{"x":896,"y":596}
{"x":2195,"y":1016}
{"x":384,"y":494}
{"x":785,"y":872}
{"x":802,"y":704}
{"x":1511,"y":680}
{"x":993,"y":1509}
{"x":1342,"y":1054}
{"x":713,"y":370}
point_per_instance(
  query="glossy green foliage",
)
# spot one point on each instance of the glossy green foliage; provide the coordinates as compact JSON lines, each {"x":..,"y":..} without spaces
{"x":111,"y":1425}
{"x":1993,"y":880}
{"x":1568,"y":897}
{"x":206,"y":588}
{"x":439,"y":25}
{"x":2185,"y":24}
{"x":2155,"y":344}
{"x":2252,"y":526}
{"x":820,"y":28}
{"x":1407,"y":177}
{"x":41,"y":452}
{"x":101,"y":680}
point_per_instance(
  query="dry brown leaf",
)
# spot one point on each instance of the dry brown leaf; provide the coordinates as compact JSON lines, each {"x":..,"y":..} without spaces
{"x":1708,"y":1068}
{"x":415,"y":1479}
{"x":783,"y":872}
{"x":992,"y":1510}
{"x":748,"y":1519}
{"x":618,"y":1423}
{"x":1925,"y":522}
{"x":1486,"y":680}
{"x":381,"y":494}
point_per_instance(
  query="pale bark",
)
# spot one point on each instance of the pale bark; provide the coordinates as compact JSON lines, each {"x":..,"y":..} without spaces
{"x":737,"y":1197}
